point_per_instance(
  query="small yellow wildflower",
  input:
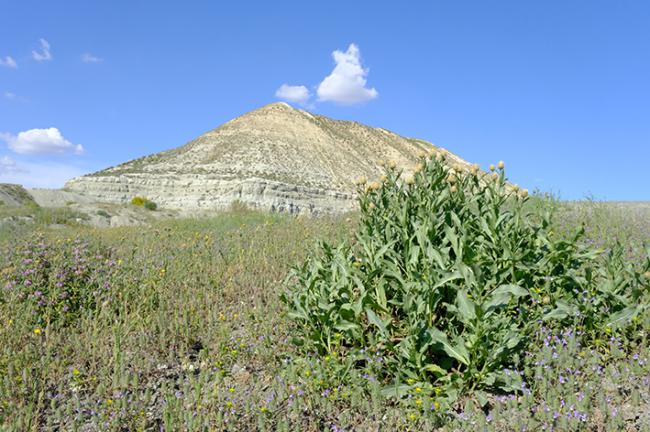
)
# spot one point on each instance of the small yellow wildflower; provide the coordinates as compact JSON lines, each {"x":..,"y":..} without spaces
{"x":109,"y":402}
{"x":231,"y":390}
{"x":76,"y":372}
{"x":418,"y":402}
{"x":37,"y":331}
{"x":410,"y":381}
{"x":413,"y":417}
{"x":264,"y":409}
{"x":436,"y":405}
{"x":418,"y":389}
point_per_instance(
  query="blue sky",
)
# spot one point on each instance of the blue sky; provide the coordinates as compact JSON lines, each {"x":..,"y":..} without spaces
{"x":558,"y":89}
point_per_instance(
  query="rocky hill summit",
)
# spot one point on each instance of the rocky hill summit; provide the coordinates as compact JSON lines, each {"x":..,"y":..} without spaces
{"x":275,"y":158}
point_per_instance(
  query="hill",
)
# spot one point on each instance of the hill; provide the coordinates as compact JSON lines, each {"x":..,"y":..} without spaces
{"x":275,"y":158}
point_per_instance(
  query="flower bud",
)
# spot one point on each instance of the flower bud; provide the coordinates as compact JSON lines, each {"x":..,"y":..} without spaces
{"x":374,"y":186}
{"x":495,"y":176}
{"x":409,"y":180}
{"x":451,"y":179}
{"x":392,"y":164}
{"x":515,"y":188}
{"x":383,"y":178}
{"x":501,"y":165}
{"x":474,"y":169}
{"x":492,"y":167}
{"x":523,"y":193}
{"x":453,"y":189}
{"x":361,"y":180}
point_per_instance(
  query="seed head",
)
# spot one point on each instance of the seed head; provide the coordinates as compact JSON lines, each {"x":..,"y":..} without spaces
{"x":419,"y":167}
{"x":501,"y":165}
{"x":361,"y":180}
{"x":383,"y":178}
{"x":474,"y":169}
{"x":515,"y":188}
{"x":371,"y":206}
{"x":647,"y":274}
{"x":451,"y":178}
{"x":392,"y":164}
{"x":495,"y":176}
{"x":454,"y":189}
{"x":409,"y":180}
{"x":374,"y":186}
{"x":523,"y":193}
{"x":492,"y":167}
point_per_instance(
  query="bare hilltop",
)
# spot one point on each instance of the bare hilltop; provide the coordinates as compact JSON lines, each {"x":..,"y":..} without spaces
{"x":275,"y":158}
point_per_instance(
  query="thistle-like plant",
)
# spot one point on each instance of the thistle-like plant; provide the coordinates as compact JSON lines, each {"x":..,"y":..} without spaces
{"x":449,"y":273}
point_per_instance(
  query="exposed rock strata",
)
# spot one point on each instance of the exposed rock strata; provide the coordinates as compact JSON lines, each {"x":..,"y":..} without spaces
{"x":274,"y":158}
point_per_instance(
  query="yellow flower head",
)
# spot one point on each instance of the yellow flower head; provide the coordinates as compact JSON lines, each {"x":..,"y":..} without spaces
{"x":501,"y":165}
{"x":361,"y":180}
{"x":474,"y":169}
{"x":37,"y":331}
{"x":451,"y":178}
{"x":454,"y":189}
{"x":495,"y":176}
{"x":383,"y":178}
{"x":524,"y":193}
{"x":515,"y":188}
{"x":492,"y":167}
{"x":409,"y":180}
{"x":392,"y":164}
{"x":374,"y":185}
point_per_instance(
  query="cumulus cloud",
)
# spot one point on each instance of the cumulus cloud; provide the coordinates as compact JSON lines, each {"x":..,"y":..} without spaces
{"x":40,"y":142}
{"x":89,"y":58}
{"x":8,"y":166}
{"x":44,"y":53}
{"x":298,"y":94}
{"x":346,"y":84}
{"x":8,"y":62}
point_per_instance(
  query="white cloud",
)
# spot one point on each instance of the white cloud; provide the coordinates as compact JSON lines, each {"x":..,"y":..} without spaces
{"x":9,"y":62}
{"x":89,"y":58}
{"x":347,"y":83}
{"x":10,"y":95}
{"x":44,"y":54}
{"x":297,"y":94}
{"x":41,"y":174}
{"x":40,"y":142}
{"x":8,"y":166}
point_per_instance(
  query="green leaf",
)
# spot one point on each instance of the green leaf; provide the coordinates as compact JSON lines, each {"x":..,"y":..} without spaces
{"x":458,"y":351}
{"x":435,"y":369}
{"x":562,"y":310}
{"x":465,"y":306}
{"x":621,"y":317}
{"x":374,"y":319}
{"x":397,"y":390}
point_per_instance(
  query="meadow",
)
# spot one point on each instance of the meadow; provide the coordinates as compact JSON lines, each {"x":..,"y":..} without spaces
{"x":191,"y":324}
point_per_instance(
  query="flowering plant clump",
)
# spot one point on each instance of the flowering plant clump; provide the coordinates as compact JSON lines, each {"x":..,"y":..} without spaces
{"x":59,"y":281}
{"x":450,"y":273}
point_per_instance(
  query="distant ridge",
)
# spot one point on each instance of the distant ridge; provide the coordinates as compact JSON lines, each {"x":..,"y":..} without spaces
{"x":275,"y":157}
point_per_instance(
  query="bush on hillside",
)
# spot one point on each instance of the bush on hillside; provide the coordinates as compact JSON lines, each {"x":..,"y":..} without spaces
{"x":144,"y":202}
{"x":449,"y":275}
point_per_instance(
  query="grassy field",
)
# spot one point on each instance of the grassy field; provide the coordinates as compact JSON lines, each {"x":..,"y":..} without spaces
{"x":179,"y":326}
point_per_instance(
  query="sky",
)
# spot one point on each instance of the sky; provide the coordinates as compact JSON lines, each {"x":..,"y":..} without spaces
{"x":559,"y":90}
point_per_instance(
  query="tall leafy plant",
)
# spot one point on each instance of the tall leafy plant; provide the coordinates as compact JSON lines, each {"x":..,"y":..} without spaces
{"x":450,"y":272}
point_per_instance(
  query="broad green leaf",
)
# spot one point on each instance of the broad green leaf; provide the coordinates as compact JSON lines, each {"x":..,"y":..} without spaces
{"x":465,"y":306}
{"x":375,"y":320}
{"x":621,"y":317}
{"x":457,"y":351}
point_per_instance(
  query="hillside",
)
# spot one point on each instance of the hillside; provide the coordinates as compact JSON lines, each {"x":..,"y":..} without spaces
{"x":275,"y":158}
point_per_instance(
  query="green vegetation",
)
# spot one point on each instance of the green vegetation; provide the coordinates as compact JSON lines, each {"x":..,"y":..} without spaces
{"x":179,"y":325}
{"x":144,"y":202}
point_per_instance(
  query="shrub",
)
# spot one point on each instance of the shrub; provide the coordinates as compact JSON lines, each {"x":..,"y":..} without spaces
{"x":449,"y":274}
{"x":138,"y":201}
{"x":144,"y":202}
